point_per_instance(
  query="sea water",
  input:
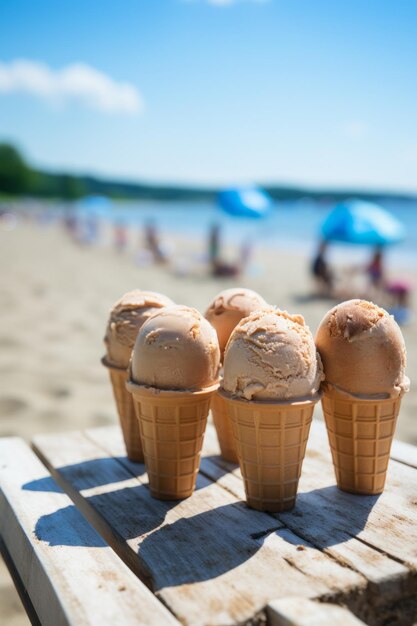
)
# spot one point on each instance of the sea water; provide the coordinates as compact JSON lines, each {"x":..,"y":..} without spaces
{"x":291,"y":225}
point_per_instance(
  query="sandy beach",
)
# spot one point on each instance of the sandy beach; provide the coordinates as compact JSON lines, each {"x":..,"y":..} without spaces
{"x":55,"y":297}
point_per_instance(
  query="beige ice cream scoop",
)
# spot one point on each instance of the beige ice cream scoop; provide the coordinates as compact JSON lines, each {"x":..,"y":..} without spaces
{"x":271,"y":355}
{"x":362,"y":349}
{"x":228,"y":308}
{"x":176,"y":348}
{"x":126,"y":317}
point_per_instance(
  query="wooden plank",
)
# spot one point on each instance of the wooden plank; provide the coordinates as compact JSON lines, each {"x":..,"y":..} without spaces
{"x":305,"y":558}
{"x":329,"y":519}
{"x":390,"y":581}
{"x":304,"y":612}
{"x":387,"y":522}
{"x":321,"y":517}
{"x":68,"y":571}
{"x":313,"y":523}
{"x":20,"y":588}
{"x":209,"y":558}
{"x":404,"y":453}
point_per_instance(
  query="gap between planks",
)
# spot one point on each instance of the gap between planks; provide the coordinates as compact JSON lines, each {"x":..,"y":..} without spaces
{"x":69,"y":572}
{"x":389,"y":567}
{"x":388,"y":574}
{"x":316,"y":468}
{"x":300,"y":566}
{"x":359,"y":554}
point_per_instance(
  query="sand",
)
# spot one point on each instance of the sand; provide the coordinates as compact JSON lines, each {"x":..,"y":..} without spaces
{"x":54,"y":300}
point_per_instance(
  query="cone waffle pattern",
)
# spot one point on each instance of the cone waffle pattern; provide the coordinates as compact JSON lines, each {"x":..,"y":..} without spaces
{"x":271,"y":441}
{"x":172,"y":432}
{"x":360,"y":436}
{"x":128,"y":419}
{"x":223,"y":424}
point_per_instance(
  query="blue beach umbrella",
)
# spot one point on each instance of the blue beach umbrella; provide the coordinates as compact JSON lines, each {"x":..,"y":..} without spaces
{"x":95,"y":203}
{"x":245,"y":202}
{"x":362,"y":223}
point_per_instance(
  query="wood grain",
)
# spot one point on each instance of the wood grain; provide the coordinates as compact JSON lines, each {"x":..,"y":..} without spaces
{"x":404,"y":453}
{"x":303,"y":612}
{"x":210,"y":558}
{"x":67,"y":569}
{"x":346,"y":526}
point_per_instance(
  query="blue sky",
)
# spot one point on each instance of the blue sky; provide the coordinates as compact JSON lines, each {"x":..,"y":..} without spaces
{"x":312,"y":92}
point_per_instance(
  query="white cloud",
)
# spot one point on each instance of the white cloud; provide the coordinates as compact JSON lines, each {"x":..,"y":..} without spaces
{"x":76,"y":82}
{"x":355,"y":129}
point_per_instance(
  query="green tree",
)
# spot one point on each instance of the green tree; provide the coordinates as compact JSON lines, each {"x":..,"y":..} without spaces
{"x":71,"y":187}
{"x":14,"y":173}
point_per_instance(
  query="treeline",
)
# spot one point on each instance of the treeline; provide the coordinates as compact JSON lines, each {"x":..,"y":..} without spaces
{"x":18,"y":178}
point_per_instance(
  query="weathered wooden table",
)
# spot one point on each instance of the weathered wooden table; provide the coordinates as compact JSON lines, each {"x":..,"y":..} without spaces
{"x":87,"y":544}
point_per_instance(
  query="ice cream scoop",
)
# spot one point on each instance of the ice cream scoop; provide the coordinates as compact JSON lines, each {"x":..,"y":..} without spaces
{"x":126,"y":317}
{"x":363,"y":350}
{"x":176,"y":348}
{"x":228,"y":308}
{"x":174,"y":373}
{"x":224,"y":313}
{"x":271,"y":355}
{"x":272,"y":373}
{"x":364,"y":359}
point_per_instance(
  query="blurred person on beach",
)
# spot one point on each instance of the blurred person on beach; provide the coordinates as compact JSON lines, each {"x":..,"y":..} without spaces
{"x":395,"y":294}
{"x":120,"y":237}
{"x":374,"y":275}
{"x":399,"y":292}
{"x":70,"y":224}
{"x":321,"y":271}
{"x":8,"y":221}
{"x":218,"y":266}
{"x":374,"y":284}
{"x":153,"y":244}
{"x":91,"y":230}
{"x":375,"y":271}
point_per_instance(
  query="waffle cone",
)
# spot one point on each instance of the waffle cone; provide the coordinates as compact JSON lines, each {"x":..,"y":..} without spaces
{"x":360,"y":432}
{"x":172,"y":426}
{"x":126,"y":410}
{"x":271,"y":439}
{"x":223,"y":425}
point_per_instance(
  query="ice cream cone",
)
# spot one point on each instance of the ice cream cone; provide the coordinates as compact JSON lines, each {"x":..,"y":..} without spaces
{"x":126,"y":410}
{"x":172,"y":426}
{"x":271,"y":439}
{"x":360,"y":432}
{"x":223,"y":425}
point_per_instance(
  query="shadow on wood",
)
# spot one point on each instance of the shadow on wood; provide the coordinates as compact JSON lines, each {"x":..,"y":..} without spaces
{"x":192,"y":549}
{"x":43,"y":484}
{"x":58,"y":529}
{"x":200,"y":547}
{"x":88,"y":474}
{"x":225,"y":467}
{"x":323,"y":527}
{"x":55,"y":528}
